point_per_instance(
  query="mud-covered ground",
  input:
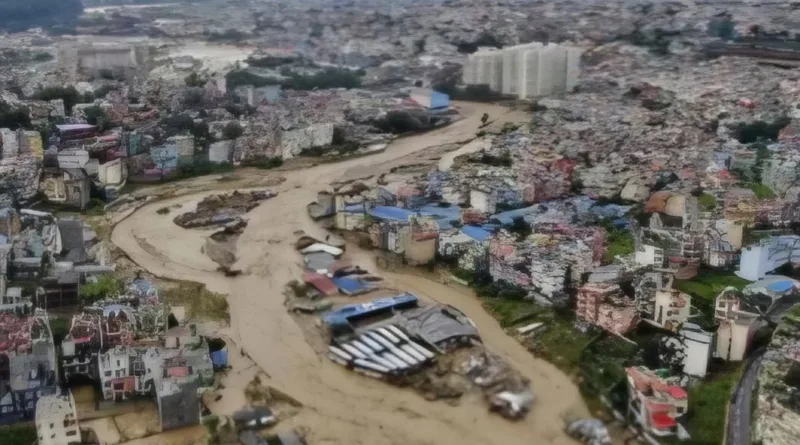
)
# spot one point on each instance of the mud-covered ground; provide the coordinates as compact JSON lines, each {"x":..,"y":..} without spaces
{"x":338,"y":406}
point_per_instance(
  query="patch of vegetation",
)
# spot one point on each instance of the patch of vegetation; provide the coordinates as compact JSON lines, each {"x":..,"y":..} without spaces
{"x":59,"y":326}
{"x":198,"y":300}
{"x":747,"y":133}
{"x":106,"y":286}
{"x":69,"y":95}
{"x":195,"y":80}
{"x":708,"y":401}
{"x":229,"y":35}
{"x":504,"y":160}
{"x":707,"y":201}
{"x":241,"y":77}
{"x":469,"y":93}
{"x":232,"y":130}
{"x":269,"y":61}
{"x":97,"y":116}
{"x":722,"y":27}
{"x":509,"y":127}
{"x":18,"y":435}
{"x":96,"y":207}
{"x":163,"y":210}
{"x":762,"y":191}
{"x":704,"y":289}
{"x":484,"y":39}
{"x":620,"y":242}
{"x":42,"y":57}
{"x":103,"y":90}
{"x":14,"y":118}
{"x":202,"y":168}
{"x":264,"y":163}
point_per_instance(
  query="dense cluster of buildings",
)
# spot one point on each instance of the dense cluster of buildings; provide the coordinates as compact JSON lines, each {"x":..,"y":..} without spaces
{"x":131,"y":344}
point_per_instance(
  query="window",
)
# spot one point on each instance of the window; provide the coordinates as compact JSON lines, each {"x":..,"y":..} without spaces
{"x":107,"y":384}
{"x":680,"y":409}
{"x":118,"y":363}
{"x":72,"y":433}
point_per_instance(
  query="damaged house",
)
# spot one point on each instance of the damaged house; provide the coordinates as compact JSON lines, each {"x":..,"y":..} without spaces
{"x":27,"y":363}
{"x":176,"y":374}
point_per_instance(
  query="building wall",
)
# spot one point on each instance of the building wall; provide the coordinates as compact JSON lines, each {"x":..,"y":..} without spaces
{"x":698,"y":352}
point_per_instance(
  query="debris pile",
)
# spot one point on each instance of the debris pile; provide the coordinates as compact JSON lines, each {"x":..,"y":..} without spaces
{"x":223,"y":210}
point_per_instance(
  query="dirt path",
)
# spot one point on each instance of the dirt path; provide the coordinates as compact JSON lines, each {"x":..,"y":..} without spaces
{"x":343,"y":408}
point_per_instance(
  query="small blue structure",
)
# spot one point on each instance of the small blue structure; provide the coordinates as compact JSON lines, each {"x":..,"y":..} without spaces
{"x":343,"y":316}
{"x":219,"y":359}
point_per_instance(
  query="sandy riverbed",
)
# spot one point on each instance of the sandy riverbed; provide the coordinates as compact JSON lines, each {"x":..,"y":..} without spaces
{"x":340,"y":407}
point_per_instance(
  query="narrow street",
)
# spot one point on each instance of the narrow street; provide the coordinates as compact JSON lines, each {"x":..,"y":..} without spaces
{"x":739,"y":418}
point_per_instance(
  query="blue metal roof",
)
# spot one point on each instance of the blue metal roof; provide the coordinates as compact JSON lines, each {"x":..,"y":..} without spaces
{"x":391,"y":213}
{"x":341,"y":316}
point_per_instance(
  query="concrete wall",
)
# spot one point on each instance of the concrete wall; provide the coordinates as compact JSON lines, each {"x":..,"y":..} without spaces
{"x":9,"y":142}
{"x":219,"y":152}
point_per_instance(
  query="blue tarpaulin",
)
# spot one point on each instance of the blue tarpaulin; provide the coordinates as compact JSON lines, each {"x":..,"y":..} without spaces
{"x":780,"y":286}
{"x":508,"y":217}
{"x":477,"y":233}
{"x":351,"y":286}
{"x":219,"y":359}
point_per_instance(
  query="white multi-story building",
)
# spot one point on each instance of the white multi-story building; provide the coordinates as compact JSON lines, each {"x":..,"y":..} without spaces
{"x":769,"y":254}
{"x":527,"y":70}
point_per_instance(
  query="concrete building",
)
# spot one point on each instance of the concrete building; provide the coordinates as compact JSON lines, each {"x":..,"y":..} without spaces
{"x":672,"y":308}
{"x":431,"y":100}
{"x":767,"y":255}
{"x":656,"y":404}
{"x":96,"y":59}
{"x":527,"y":70}
{"x":698,"y":349}
{"x":738,"y":324}
{"x":57,"y":420}
{"x":604,"y":305}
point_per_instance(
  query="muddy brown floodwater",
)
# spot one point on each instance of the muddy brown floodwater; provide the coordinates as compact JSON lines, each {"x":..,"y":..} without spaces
{"x":341,"y":407}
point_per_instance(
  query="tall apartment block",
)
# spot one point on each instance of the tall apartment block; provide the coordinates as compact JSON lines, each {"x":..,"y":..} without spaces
{"x":528,"y":70}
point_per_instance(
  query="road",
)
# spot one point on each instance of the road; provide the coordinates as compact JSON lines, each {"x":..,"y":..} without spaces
{"x":341,"y":407}
{"x":739,"y":421}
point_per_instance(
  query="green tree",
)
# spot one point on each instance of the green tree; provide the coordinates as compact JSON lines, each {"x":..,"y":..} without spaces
{"x":232,"y":130}
{"x":106,"y":286}
{"x":195,"y":80}
{"x":97,"y":116}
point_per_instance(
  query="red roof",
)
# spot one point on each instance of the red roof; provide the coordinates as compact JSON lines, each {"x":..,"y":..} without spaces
{"x":661,"y":421}
{"x":180,"y":371}
{"x":321,"y":283}
{"x":677,"y":392}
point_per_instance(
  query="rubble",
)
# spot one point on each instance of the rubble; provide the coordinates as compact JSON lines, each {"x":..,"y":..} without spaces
{"x":219,"y":210}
